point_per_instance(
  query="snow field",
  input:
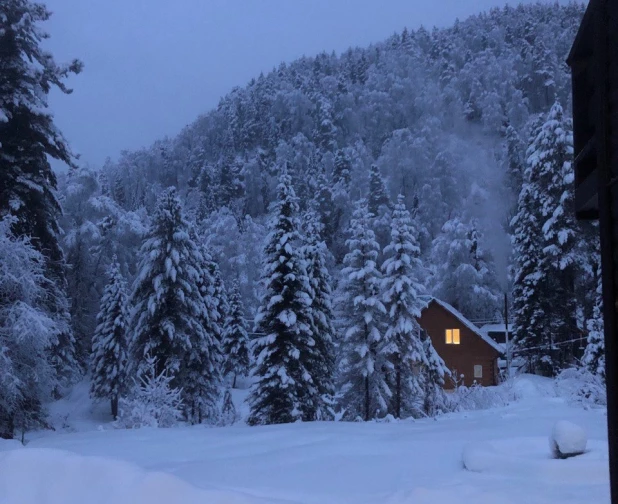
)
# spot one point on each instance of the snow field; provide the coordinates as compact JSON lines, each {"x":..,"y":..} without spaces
{"x":505,"y":450}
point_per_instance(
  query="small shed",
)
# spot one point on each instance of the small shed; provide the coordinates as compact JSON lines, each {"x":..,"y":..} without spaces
{"x":463,"y":347}
{"x":497,"y":332}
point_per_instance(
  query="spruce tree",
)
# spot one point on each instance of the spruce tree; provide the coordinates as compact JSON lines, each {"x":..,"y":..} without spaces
{"x":531,"y":332}
{"x":284,"y":390}
{"x":594,"y":355}
{"x":433,"y":376}
{"x":235,"y":341}
{"x":109,"y":342}
{"x":365,"y":361}
{"x":545,"y":238}
{"x":402,"y":288}
{"x":377,"y":191}
{"x":323,"y":366}
{"x":553,"y":156}
{"x":342,"y":171}
{"x":169,"y":311}
{"x":28,"y":137}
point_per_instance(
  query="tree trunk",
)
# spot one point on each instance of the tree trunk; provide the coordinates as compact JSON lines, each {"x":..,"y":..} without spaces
{"x":366,"y":398}
{"x":234,"y":382}
{"x":398,"y":391}
{"x":7,"y":427}
{"x":114,"y":404}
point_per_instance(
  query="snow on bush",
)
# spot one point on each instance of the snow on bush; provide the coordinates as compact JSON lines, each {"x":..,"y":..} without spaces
{"x":477,"y":397}
{"x":152,"y":403}
{"x":567,"y":439}
{"x":228,"y":415}
{"x":579,"y":385}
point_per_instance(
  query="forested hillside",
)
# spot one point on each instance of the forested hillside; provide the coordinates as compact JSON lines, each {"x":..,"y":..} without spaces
{"x":439,"y":160}
{"x":445,"y":115}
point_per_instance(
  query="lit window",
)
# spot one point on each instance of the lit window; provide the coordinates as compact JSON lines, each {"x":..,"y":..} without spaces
{"x":452,"y":337}
{"x":478,"y":371}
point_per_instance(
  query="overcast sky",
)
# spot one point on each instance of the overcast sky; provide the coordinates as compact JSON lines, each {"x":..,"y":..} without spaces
{"x":152,"y":66}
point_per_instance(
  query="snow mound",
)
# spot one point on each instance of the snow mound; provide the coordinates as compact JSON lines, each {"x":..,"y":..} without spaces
{"x":567,"y":439}
{"x":43,"y":476}
{"x":527,"y":386}
{"x":9,"y":444}
{"x":527,"y":459}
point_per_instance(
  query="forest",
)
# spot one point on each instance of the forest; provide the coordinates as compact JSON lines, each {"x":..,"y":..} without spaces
{"x":291,"y":235}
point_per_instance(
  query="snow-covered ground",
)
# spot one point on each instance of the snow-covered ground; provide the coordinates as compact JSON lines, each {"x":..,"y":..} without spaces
{"x":506,"y":450}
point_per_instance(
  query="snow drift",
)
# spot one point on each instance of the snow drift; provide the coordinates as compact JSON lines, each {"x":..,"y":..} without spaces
{"x":44,"y":476}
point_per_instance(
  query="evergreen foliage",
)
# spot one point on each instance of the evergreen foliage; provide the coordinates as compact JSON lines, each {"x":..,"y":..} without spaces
{"x":402,"y":288}
{"x":169,"y":311}
{"x":285,"y":390}
{"x":322,"y":365}
{"x":109,"y":342}
{"x":545,"y":239}
{"x":235,"y":339}
{"x":365,"y":364}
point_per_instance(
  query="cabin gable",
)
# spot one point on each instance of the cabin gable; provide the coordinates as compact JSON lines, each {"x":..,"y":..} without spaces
{"x":472,"y":356}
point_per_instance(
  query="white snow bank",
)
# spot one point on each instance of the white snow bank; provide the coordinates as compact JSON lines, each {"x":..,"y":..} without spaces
{"x":43,"y":476}
{"x":531,"y":387}
{"x":9,"y":444}
{"x":567,"y":439}
{"x":527,"y":459}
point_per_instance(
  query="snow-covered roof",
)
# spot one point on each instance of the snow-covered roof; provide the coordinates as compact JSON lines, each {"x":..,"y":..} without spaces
{"x":499,"y":328}
{"x":496,"y":346}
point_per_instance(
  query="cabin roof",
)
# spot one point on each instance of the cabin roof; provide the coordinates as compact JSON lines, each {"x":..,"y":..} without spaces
{"x":487,"y":328}
{"x":430,"y":299}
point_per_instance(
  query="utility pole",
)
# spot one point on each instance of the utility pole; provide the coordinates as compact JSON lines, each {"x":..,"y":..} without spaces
{"x":506,"y":337}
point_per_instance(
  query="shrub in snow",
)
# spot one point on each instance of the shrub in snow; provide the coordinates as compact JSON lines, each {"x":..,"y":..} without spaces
{"x":581,"y":386}
{"x":228,"y":416}
{"x":477,"y":397}
{"x":567,"y":440}
{"x":152,"y":403}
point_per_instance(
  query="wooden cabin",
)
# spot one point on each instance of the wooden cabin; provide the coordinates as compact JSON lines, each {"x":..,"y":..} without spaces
{"x":463,"y":347}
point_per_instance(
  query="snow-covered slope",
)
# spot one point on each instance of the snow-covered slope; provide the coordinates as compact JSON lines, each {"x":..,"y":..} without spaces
{"x":401,"y":462}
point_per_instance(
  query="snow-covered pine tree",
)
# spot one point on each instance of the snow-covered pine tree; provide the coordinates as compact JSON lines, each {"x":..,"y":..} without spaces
{"x":401,"y":287}
{"x":284,"y":390}
{"x":169,"y":310}
{"x":219,"y":295}
{"x":434,"y":374}
{"x":553,"y":157}
{"x":377,"y":191}
{"x":235,"y":341}
{"x":28,"y":136}
{"x":322,"y":368}
{"x":594,"y":355}
{"x":27,"y":331}
{"x":109,"y":342}
{"x":365,"y":362}
{"x":342,"y":171}
{"x":545,"y":237}
{"x":531,"y":332}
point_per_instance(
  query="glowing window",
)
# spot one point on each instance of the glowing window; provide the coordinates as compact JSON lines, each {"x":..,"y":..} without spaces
{"x":478,"y":371}
{"x":452,"y":337}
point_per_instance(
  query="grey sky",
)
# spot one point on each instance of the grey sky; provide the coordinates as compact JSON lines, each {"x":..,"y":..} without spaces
{"x":152,"y":66}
